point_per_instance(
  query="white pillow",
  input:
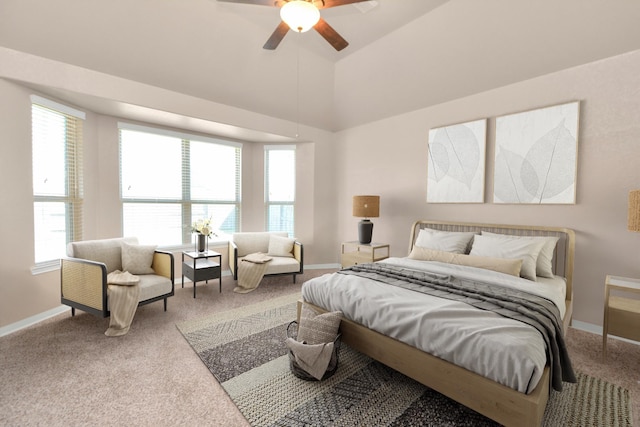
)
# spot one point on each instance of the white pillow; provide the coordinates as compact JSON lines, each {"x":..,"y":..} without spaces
{"x":544,"y":264}
{"x":280,"y":246}
{"x":507,"y":247}
{"x":137,"y":259}
{"x":446,"y":241}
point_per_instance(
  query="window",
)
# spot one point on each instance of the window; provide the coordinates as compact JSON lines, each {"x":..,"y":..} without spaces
{"x":169,"y":180}
{"x":280,"y":187}
{"x":56,"y":133}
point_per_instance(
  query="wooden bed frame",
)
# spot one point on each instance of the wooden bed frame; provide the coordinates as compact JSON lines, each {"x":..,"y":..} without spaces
{"x":496,"y":401}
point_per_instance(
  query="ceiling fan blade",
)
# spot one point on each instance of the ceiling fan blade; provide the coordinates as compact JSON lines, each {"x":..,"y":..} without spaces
{"x":258,"y":2}
{"x":330,"y":35}
{"x":325,"y":4}
{"x":277,"y":36}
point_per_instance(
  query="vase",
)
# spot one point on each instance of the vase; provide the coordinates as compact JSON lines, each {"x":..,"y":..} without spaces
{"x":201,"y":242}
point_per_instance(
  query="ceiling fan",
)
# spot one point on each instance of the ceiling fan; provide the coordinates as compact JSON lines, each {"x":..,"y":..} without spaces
{"x":301,"y":16}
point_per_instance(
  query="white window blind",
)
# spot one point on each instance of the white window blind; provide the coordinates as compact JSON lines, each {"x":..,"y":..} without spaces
{"x":57,"y":177}
{"x":280,"y":187}
{"x":169,"y":180}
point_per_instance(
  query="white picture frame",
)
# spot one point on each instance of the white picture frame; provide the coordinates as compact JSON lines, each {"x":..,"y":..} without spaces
{"x":456,"y":163}
{"x":536,"y":156}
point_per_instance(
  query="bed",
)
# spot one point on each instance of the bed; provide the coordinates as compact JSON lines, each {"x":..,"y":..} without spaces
{"x":513,"y":391}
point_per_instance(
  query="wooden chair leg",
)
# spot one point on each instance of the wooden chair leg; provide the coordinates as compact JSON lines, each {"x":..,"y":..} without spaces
{"x":73,"y":311}
{"x":165,"y":304}
{"x":294,"y":278}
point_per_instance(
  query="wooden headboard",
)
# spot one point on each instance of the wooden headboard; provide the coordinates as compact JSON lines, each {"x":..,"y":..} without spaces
{"x":562,"y":257}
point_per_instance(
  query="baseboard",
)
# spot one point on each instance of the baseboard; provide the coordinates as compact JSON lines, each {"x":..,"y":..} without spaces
{"x":321,"y":266}
{"x":597,"y":329}
{"x":24,"y":323}
{"x":587,"y":327}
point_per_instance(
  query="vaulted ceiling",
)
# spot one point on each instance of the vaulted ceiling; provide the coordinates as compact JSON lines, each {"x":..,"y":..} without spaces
{"x":403,"y":54}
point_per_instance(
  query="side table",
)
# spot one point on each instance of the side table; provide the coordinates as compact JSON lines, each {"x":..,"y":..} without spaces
{"x":199,"y":266}
{"x":621,"y":315}
{"x":357,"y":253}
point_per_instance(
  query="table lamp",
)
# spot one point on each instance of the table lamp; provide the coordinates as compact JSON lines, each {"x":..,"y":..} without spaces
{"x":633,"y":223}
{"x":366,"y":207}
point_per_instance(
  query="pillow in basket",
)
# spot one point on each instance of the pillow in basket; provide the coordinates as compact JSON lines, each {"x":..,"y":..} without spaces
{"x":317,"y":328}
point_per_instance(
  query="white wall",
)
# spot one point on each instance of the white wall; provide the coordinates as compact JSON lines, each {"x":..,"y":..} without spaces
{"x":388,"y":157}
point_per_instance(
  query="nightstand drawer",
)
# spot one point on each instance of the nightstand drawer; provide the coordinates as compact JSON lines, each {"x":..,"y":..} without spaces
{"x":354,"y":258}
{"x":354,"y":253}
{"x":621,"y":314}
{"x":624,"y":317}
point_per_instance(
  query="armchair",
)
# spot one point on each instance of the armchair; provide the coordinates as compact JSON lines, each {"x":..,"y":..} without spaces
{"x":287,"y":257}
{"x":83,"y":274}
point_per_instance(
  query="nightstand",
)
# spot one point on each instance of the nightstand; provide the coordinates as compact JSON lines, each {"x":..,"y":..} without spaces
{"x":357,"y":253}
{"x":621,"y":315}
{"x":201,"y":267}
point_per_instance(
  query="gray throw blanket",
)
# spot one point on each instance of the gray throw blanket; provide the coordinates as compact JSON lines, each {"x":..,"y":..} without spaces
{"x":531,"y":309}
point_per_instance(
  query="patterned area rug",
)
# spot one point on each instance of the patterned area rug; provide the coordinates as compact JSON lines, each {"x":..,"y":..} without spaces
{"x":244,"y":349}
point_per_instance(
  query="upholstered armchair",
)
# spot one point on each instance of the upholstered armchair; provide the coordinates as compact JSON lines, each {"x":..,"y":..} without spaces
{"x":83,"y":273}
{"x":287,"y":253}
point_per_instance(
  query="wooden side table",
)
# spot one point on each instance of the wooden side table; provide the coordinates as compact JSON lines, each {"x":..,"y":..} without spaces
{"x":201,"y":267}
{"x":621,"y":314}
{"x":356,"y":253}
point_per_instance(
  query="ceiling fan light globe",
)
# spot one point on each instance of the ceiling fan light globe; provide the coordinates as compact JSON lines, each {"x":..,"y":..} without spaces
{"x":300,"y":15}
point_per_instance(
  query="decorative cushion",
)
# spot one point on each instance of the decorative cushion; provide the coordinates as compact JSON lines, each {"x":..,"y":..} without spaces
{"x":447,"y":241}
{"x":507,"y":247}
{"x":317,"y":328}
{"x":137,"y":259}
{"x":502,"y":265}
{"x":544,"y":264}
{"x":280,"y":246}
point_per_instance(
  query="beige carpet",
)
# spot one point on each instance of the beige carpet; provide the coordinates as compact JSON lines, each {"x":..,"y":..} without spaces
{"x":66,"y":372}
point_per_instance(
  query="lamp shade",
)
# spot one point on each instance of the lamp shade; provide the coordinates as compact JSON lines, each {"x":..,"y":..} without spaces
{"x":300,"y":15}
{"x":634,"y":211}
{"x":366,"y":206}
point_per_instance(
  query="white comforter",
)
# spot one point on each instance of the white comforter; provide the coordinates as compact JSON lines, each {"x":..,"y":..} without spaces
{"x":504,"y":350}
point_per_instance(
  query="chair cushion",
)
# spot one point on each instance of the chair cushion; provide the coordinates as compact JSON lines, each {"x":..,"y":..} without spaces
{"x":279,"y":265}
{"x":152,"y":285}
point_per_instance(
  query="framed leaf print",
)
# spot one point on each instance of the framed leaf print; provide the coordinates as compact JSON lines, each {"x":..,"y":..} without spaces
{"x":536,"y":156}
{"x":456,"y":159}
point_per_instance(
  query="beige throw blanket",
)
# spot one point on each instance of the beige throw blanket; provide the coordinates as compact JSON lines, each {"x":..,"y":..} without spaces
{"x":314,"y":359}
{"x":123,"y":291}
{"x":251,"y":271}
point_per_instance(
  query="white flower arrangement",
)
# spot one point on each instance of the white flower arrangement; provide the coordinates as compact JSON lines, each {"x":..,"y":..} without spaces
{"x":203,"y":226}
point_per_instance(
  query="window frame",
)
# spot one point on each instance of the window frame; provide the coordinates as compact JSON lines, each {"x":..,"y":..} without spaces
{"x":267,"y":201}
{"x":185,"y":201}
{"x":72,"y":197}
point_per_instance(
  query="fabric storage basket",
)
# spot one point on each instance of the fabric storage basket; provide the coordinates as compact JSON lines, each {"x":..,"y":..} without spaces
{"x":292,"y":332}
